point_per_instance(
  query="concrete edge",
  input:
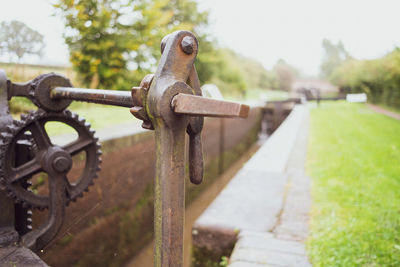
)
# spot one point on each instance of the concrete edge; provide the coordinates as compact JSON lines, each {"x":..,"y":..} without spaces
{"x":270,"y":160}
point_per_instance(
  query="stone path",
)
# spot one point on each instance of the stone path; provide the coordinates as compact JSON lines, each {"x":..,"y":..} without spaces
{"x":284,"y":244}
{"x":293,"y":221}
{"x":255,"y":249}
{"x":384,"y":111}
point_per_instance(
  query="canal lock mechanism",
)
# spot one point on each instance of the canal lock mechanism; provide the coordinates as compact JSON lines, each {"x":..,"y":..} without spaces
{"x":169,"y":102}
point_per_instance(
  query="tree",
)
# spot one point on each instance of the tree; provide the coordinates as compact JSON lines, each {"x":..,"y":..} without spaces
{"x":378,"y":78}
{"x":106,"y":37}
{"x":18,"y":40}
{"x":285,"y":74}
{"x":335,"y":55}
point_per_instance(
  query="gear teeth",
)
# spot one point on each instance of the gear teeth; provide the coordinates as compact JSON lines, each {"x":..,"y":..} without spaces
{"x":40,"y":115}
{"x":98,"y":168}
{"x":18,"y":124}
{"x":6,"y":137}
{"x":69,"y":113}
{"x":11,"y":128}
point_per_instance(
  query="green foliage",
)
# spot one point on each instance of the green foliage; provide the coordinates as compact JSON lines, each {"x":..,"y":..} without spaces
{"x":18,"y":40}
{"x":228,"y":74}
{"x":97,"y":39}
{"x":224,"y":261}
{"x":114,"y":43}
{"x":379,"y":78}
{"x":107,"y":36}
{"x":234,"y":74}
{"x":354,"y":163}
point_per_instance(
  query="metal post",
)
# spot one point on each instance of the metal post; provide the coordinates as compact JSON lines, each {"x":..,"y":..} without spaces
{"x":169,"y":205}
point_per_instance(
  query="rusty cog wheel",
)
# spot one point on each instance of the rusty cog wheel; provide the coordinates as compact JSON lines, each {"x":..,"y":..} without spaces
{"x":14,"y":177}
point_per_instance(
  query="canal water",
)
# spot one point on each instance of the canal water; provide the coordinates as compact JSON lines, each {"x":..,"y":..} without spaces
{"x":145,"y":257}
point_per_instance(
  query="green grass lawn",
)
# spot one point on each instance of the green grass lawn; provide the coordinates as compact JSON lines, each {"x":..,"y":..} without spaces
{"x":270,"y":95}
{"x":354,"y":163}
{"x":99,"y":116}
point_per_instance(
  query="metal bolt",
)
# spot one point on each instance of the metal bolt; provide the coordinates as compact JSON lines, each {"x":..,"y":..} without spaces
{"x":188,"y":44}
{"x":62,"y":164}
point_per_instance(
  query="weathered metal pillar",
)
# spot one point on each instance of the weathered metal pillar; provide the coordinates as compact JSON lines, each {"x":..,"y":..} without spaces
{"x":173,"y":107}
{"x":169,"y":204}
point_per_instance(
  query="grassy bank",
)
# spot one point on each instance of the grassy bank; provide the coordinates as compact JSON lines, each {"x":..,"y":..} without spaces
{"x":99,"y":116}
{"x":267,"y":95}
{"x":354,"y":163}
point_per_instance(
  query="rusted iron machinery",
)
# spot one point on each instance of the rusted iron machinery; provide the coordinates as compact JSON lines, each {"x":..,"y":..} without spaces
{"x":169,"y":102}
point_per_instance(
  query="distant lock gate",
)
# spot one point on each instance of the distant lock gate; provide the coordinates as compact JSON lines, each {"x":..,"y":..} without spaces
{"x":169,"y":102}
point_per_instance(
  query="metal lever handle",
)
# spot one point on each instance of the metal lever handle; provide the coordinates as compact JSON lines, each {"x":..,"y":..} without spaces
{"x":195,"y":158}
{"x":201,"y":106}
{"x":196,"y":163}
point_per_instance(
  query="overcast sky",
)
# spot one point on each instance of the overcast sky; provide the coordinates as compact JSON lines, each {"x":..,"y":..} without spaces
{"x":263,"y":29}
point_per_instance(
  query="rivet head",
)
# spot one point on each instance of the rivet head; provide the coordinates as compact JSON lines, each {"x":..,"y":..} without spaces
{"x":188,"y":45}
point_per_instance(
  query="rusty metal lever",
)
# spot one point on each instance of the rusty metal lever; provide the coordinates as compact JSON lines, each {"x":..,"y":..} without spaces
{"x":194,"y":105}
{"x":201,"y":106}
{"x":196,"y":162}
